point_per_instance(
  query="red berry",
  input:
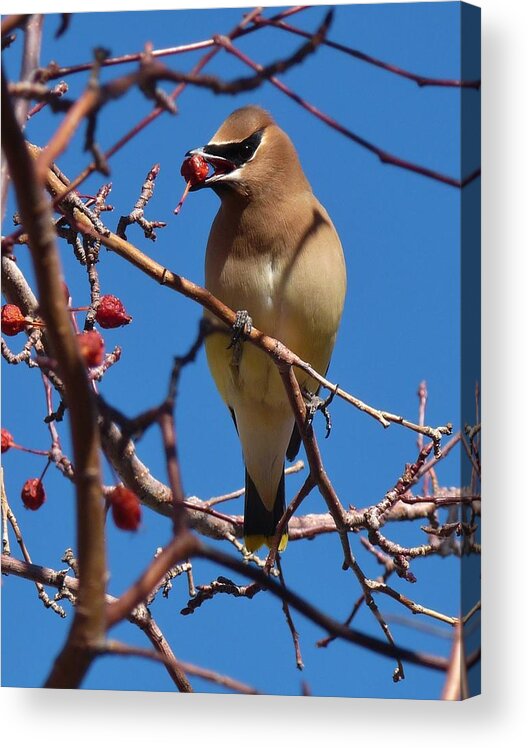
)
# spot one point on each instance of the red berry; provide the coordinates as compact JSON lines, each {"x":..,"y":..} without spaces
{"x":194,"y":169}
{"x":111,"y":312}
{"x":33,"y":494}
{"x":92,"y":347}
{"x":13,"y":321}
{"x":7,"y":440}
{"x":126,"y":508}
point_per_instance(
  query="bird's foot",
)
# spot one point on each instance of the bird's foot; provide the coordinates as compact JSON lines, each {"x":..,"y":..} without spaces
{"x":315,"y":403}
{"x":242,"y":327}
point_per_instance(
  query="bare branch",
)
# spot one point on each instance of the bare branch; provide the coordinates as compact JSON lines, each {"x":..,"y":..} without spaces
{"x":140,"y":617}
{"x":53,"y":71}
{"x":7,"y":513}
{"x":88,"y":624}
{"x":289,"y":620}
{"x":321,"y":619}
{"x":155,"y":113}
{"x":146,"y":78}
{"x":420,"y":80}
{"x":137,"y":215}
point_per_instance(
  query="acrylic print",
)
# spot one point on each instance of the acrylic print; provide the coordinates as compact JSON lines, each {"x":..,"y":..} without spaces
{"x":241,"y":351}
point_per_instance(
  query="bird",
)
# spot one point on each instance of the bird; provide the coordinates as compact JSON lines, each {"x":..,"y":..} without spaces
{"x":273,"y":256}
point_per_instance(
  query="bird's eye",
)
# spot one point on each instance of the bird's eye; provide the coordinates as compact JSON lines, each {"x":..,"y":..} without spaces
{"x":248,"y":147}
{"x":237,"y":153}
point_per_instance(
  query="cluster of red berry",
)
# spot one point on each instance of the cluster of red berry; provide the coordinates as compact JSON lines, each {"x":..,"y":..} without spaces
{"x":124,"y":504}
{"x":33,"y":494}
{"x":110,"y":314}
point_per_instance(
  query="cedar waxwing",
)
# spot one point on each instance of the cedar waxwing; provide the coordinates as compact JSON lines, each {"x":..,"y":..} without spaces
{"x":274,"y":253}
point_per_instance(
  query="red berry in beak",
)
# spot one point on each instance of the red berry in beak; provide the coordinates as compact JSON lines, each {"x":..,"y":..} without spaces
{"x":194,"y":169}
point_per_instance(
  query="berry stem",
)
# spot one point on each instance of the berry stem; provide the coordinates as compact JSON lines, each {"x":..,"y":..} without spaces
{"x":31,"y":451}
{"x":45,"y":469}
{"x":185,"y":193}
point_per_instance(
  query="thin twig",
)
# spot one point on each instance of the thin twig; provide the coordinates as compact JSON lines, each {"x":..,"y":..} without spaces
{"x":388,"y":563}
{"x":53,"y":71}
{"x":10,"y":517}
{"x":289,"y":620}
{"x":420,"y":80}
{"x":137,"y":215}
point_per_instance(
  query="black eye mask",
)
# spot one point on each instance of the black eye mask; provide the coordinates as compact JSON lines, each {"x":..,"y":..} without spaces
{"x":236,"y":153}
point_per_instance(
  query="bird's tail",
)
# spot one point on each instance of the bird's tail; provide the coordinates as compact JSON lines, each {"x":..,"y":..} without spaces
{"x":259,"y":523}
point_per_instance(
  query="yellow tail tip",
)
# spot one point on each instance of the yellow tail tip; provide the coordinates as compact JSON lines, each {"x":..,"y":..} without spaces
{"x":254,"y":542}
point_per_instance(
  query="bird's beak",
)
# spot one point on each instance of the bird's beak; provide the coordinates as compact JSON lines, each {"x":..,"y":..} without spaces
{"x":221,"y":166}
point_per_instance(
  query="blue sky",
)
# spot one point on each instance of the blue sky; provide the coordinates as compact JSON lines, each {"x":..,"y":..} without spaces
{"x":401,"y":236}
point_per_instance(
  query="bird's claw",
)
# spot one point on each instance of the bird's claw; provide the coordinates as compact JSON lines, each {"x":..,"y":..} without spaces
{"x":315,"y":403}
{"x":242,"y":327}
